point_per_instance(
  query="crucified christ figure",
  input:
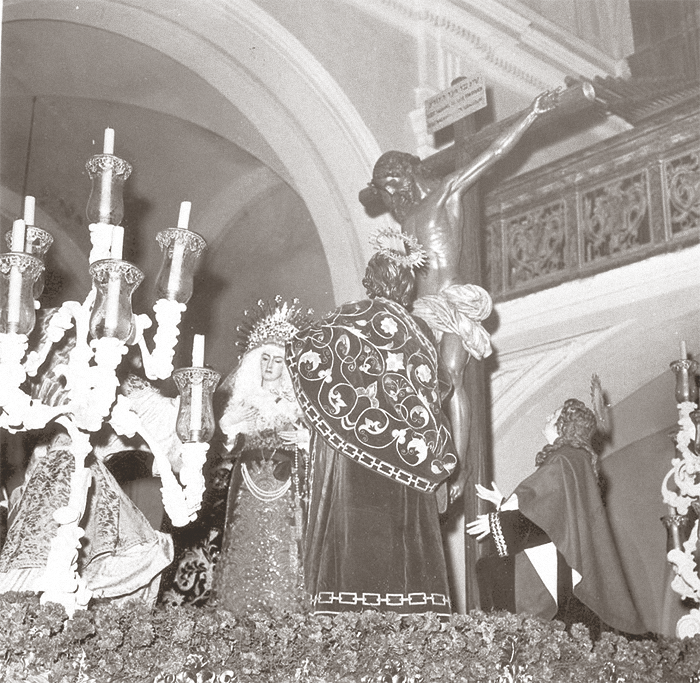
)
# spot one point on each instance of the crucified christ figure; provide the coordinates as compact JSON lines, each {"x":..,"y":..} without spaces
{"x":430,"y":209}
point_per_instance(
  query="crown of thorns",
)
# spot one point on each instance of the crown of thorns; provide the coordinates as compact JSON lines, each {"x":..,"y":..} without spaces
{"x":399,"y":247}
{"x":271,"y":322}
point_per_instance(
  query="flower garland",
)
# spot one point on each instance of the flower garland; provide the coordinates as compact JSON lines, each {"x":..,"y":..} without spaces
{"x":111,"y":644}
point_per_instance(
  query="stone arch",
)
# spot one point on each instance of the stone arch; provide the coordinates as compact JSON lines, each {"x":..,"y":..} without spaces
{"x":301,"y":112}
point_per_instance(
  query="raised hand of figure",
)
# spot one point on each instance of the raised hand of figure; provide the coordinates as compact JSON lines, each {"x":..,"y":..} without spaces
{"x":237,"y":418}
{"x":491,"y":495}
{"x":546,"y":101}
{"x":479,"y":527}
{"x":299,"y":436}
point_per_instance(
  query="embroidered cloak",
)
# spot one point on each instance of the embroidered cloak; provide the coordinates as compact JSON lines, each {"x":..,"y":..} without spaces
{"x":366,"y":378}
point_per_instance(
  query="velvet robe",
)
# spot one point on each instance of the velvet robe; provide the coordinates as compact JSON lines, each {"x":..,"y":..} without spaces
{"x":371,"y":543}
{"x":367,"y":379}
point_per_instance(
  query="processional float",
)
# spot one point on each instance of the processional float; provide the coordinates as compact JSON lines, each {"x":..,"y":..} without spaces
{"x":104,"y":326}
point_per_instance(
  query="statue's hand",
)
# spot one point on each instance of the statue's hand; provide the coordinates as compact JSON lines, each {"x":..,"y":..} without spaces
{"x":479,"y":527}
{"x":546,"y":101}
{"x":237,"y":418}
{"x":491,"y":495}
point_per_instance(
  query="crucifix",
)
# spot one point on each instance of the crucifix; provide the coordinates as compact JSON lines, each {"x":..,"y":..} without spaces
{"x":443,"y":213}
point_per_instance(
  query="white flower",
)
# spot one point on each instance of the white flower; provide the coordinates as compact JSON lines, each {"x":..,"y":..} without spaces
{"x":394,"y":362}
{"x":370,"y":392}
{"x":424,"y":373}
{"x":312,"y":358}
{"x":370,"y":426}
{"x":335,"y":401}
{"x":389,"y":326}
{"x":123,"y":419}
{"x":419,"y":449}
{"x":399,"y":435}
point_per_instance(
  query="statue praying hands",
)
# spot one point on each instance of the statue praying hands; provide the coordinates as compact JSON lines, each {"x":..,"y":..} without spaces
{"x":429,"y":208}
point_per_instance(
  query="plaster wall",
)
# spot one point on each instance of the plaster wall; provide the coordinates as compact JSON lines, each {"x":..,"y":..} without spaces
{"x":375,"y":64}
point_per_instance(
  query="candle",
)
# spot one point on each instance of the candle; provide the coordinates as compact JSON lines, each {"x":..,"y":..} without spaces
{"x":112,"y":304}
{"x":684,"y":352}
{"x":18,"y":232}
{"x":198,"y":351}
{"x":117,"y":246}
{"x":14,"y":292}
{"x":29,"y":205}
{"x":105,"y":209}
{"x":184,"y":217}
{"x":108,"y":146}
{"x":196,"y":397}
{"x":175,"y":274}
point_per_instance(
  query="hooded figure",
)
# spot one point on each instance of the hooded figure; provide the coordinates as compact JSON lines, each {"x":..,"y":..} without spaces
{"x":556,"y":555}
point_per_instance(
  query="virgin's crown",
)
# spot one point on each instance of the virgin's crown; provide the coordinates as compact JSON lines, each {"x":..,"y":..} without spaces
{"x":271,"y":322}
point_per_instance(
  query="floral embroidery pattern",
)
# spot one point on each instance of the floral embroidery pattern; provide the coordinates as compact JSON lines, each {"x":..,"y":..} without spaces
{"x":367,"y":378}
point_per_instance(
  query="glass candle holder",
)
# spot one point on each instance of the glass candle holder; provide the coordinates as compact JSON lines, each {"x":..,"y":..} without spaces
{"x":37,"y":243}
{"x":114,"y":281}
{"x":195,"y":418}
{"x":106,"y":203}
{"x":18,"y":275}
{"x":181,"y":248}
{"x":686,"y":386}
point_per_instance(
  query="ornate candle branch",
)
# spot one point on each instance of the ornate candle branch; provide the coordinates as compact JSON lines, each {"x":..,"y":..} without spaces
{"x":36,"y":241}
{"x":105,"y":208}
{"x":195,"y":422}
{"x":126,"y":422}
{"x":683,"y":497}
{"x":181,"y":248}
{"x":19,"y":272}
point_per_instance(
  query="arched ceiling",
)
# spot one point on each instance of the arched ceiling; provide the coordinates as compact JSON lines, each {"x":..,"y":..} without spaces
{"x":95,"y":72}
{"x":227,"y":104}
{"x":63,"y":83}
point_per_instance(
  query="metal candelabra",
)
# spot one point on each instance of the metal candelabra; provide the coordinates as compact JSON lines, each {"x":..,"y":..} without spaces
{"x":105,"y":326}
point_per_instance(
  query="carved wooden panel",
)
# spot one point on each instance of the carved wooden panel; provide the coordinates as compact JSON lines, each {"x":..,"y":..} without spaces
{"x":536,"y":243}
{"x":615,"y":217}
{"x":682,"y":192}
{"x":624,"y":199}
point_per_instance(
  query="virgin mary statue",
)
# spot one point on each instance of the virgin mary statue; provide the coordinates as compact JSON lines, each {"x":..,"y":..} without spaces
{"x":259,"y":567}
